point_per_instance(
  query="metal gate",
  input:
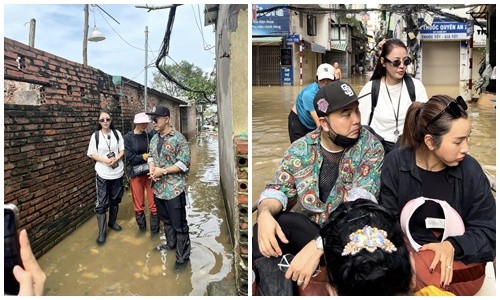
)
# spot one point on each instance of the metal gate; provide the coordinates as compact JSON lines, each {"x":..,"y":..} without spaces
{"x":266,"y":65}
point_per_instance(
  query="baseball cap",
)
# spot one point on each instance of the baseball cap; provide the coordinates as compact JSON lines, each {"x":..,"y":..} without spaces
{"x":325,"y":71}
{"x":333,"y":96}
{"x":161,"y":111}
{"x":141,"y":118}
{"x":453,"y":223}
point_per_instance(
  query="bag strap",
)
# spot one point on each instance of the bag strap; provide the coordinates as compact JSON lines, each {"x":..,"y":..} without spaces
{"x":375,"y":91}
{"x":410,"y":86}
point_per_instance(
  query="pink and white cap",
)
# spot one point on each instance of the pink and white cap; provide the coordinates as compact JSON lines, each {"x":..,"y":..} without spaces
{"x":453,"y":223}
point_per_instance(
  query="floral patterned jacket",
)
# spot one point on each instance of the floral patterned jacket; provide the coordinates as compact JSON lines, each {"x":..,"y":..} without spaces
{"x":296,"y":183}
{"x":174,"y":151}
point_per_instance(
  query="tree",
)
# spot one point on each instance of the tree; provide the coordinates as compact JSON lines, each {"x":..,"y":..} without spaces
{"x":201,"y":84}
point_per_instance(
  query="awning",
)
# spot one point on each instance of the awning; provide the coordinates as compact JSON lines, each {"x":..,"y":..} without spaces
{"x":339,"y":46}
{"x":267,"y":41}
{"x":318,"y":48}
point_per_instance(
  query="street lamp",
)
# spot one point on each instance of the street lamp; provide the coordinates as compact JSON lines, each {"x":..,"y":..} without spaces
{"x":96,"y":35}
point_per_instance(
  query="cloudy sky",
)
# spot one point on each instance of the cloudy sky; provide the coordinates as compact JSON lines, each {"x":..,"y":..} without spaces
{"x":59,"y":30}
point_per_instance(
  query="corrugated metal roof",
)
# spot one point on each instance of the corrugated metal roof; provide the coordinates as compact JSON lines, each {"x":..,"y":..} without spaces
{"x":338,"y":46}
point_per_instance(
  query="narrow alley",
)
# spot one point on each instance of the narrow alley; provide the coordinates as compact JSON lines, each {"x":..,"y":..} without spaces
{"x":129,"y":265}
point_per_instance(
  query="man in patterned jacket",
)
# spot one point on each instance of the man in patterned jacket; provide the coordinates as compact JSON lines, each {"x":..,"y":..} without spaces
{"x":314,"y":177}
{"x":169,"y":160}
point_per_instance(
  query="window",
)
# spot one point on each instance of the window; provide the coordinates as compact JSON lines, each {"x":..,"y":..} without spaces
{"x":301,"y":20}
{"x":311,"y":25}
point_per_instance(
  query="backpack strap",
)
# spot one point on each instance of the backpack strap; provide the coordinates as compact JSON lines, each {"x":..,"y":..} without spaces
{"x":410,"y":86}
{"x":116,"y":135}
{"x":97,"y":140}
{"x":375,"y":91}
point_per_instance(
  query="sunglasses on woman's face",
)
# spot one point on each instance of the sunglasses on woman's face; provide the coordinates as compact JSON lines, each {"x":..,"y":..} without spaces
{"x":454,"y":108}
{"x":105,"y":120}
{"x":406,"y":61}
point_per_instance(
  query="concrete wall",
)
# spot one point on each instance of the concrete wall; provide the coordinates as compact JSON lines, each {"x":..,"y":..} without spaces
{"x":51,"y":109}
{"x":232,"y":106}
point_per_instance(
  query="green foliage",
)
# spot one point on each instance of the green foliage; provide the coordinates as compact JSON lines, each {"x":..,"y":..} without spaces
{"x":190,"y":76}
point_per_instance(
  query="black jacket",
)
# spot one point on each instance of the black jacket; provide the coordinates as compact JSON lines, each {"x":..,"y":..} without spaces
{"x":473,"y":200}
{"x":131,"y":150}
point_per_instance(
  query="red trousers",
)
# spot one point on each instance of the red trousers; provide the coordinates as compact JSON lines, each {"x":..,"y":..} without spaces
{"x":138,"y":185}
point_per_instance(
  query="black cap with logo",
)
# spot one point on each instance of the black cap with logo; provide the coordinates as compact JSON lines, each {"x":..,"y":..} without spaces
{"x":333,"y":96}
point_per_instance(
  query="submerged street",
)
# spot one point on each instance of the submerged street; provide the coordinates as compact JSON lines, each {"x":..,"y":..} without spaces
{"x":129,"y":265}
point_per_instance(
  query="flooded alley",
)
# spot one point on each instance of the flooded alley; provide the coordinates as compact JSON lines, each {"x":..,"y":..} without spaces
{"x":271,"y":106}
{"x":129,"y":265}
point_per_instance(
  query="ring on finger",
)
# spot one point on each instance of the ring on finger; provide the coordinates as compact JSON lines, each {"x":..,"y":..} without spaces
{"x":448,"y":267}
{"x":299,"y":282}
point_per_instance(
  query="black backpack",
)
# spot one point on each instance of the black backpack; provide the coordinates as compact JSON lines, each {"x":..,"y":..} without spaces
{"x":376,"y":88}
{"x":97,"y":137}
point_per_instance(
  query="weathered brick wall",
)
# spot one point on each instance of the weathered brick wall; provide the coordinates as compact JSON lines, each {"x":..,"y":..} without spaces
{"x":241,"y":233}
{"x":46,"y":170}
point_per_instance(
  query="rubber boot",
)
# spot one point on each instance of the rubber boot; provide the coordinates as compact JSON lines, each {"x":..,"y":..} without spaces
{"x":101,"y":224}
{"x":113,"y":214}
{"x":183,"y":248}
{"x":155,"y":224}
{"x":141,"y":221}
{"x":170,"y":238}
{"x":271,"y":280}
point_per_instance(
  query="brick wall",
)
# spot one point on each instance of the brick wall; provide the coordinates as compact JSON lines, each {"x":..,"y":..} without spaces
{"x":48,"y":124}
{"x":241,"y":232}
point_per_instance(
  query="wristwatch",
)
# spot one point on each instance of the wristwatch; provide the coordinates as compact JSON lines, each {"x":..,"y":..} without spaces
{"x":319,"y":242}
{"x":165,"y":171}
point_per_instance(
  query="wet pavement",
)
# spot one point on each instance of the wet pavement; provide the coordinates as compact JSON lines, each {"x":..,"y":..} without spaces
{"x":271,"y":106}
{"x":128,"y":264}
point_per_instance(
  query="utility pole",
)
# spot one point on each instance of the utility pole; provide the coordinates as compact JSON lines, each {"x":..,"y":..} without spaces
{"x":32,"y":33}
{"x":146,"y":71}
{"x":85,"y":32}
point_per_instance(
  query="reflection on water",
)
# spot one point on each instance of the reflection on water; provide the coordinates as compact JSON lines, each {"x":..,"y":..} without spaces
{"x":127,"y":265}
{"x":271,"y":105}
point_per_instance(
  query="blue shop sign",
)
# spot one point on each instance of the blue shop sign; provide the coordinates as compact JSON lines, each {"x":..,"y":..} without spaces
{"x":444,"y":29}
{"x":286,"y":75}
{"x":274,"y":22}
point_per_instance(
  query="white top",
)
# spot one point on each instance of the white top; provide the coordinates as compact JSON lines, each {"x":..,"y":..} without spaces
{"x":102,"y":169}
{"x":384,"y":120}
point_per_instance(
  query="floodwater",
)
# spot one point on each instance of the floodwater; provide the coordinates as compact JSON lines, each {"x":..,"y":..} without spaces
{"x":128,"y":265}
{"x":271,"y":106}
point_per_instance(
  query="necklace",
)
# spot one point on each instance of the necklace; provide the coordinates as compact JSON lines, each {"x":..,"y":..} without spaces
{"x":328,"y":150}
{"x":396,"y":114}
{"x":106,"y":138}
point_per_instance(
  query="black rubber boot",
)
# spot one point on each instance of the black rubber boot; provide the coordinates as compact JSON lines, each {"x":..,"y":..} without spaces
{"x":170,"y":238}
{"x":113,"y":214}
{"x":272,"y":281}
{"x":141,"y":221}
{"x":101,"y":224}
{"x":183,"y":248}
{"x":155,"y":224}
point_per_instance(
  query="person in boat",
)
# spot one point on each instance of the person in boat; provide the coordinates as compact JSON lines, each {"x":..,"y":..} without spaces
{"x":366,"y":255}
{"x":442,"y":197}
{"x":314,"y":177}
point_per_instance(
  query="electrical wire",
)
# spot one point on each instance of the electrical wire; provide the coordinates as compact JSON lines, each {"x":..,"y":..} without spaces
{"x":164,"y":52}
{"x":126,"y":42}
{"x":206,"y":46}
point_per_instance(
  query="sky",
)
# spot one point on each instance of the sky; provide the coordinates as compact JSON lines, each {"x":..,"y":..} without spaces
{"x":59,"y":30}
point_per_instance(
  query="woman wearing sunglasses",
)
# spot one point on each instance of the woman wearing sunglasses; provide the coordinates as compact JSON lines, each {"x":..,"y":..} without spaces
{"x":444,"y":200}
{"x":390,"y":87}
{"x":107,"y":149}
